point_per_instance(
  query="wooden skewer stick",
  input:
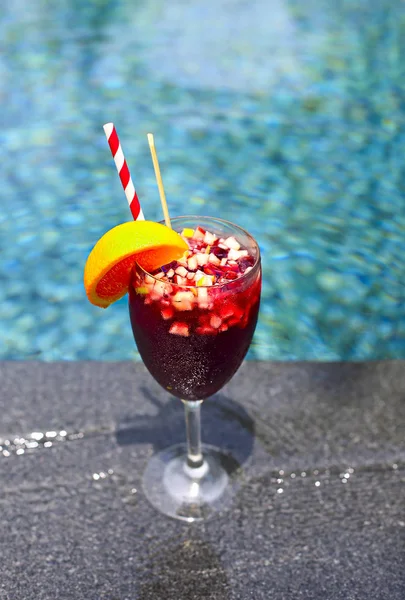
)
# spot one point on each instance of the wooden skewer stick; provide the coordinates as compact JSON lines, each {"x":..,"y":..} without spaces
{"x":159,"y":180}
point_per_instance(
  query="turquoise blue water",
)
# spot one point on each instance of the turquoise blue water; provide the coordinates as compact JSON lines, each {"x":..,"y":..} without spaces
{"x":283,"y":116}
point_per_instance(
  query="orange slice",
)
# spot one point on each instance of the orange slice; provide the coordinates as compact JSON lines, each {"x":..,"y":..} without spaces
{"x":108,"y":267}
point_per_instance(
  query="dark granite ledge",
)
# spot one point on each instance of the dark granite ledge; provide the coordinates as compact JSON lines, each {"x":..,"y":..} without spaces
{"x":320,"y":513}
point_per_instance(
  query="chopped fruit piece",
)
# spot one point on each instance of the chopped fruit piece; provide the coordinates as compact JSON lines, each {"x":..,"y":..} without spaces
{"x":199,"y":274}
{"x":182,"y":271}
{"x":214,"y":259}
{"x":192,"y":263}
{"x":202,"y":259}
{"x":167,"y":313}
{"x":178,"y":328}
{"x":245,"y":263}
{"x":208,"y":250}
{"x":215,"y":321}
{"x":187,"y":232}
{"x":236,"y":254}
{"x":209,"y":270}
{"x":170,"y":273}
{"x":206,"y":280}
{"x":206,"y":330}
{"x":183,"y":300}
{"x":223,"y":263}
{"x":190,"y":275}
{"x":248,"y":269}
{"x":232,"y":243}
{"x":199,"y":233}
{"x":209,"y":238}
{"x":220,"y":252}
{"x":223,"y":327}
{"x":231,"y":275}
{"x":180,"y":280}
{"x":142,"y":289}
{"x":159,"y":289}
{"x":202,"y":294}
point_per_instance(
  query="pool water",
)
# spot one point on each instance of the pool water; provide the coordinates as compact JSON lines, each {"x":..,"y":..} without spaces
{"x":285,"y":117}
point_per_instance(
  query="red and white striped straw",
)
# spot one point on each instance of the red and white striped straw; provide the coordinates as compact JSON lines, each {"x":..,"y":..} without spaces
{"x":123,"y":171}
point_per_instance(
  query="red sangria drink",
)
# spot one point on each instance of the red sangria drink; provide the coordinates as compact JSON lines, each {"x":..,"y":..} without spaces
{"x":193,"y":321}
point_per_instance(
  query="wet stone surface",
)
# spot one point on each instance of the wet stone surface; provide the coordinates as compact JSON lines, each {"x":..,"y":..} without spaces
{"x":319,"y":513}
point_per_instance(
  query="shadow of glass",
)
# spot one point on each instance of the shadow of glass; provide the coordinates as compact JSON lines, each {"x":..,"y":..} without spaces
{"x":186,"y":571}
{"x":225,"y":424}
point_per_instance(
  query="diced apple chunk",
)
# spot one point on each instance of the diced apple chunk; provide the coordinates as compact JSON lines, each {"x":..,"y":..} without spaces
{"x":160,"y":289}
{"x":202,"y":259}
{"x":192,"y":263}
{"x":236,"y":254}
{"x":199,"y":274}
{"x":232,"y":243}
{"x":182,"y":271}
{"x":167,"y":313}
{"x":178,"y":328}
{"x":199,"y":233}
{"x":209,"y":238}
{"x":214,"y":259}
{"x":202,"y":296}
{"x":215,"y":321}
{"x":183,"y":300}
{"x":180,"y":280}
{"x":206,"y":280}
{"x":159,"y":275}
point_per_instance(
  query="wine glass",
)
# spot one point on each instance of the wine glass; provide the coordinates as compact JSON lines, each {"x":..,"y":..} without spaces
{"x":193,"y":340}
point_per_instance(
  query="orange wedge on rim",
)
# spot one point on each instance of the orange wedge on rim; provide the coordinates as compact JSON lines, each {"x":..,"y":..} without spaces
{"x":108,"y":268}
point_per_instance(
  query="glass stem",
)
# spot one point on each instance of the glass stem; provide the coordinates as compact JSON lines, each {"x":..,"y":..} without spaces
{"x":192,"y":412}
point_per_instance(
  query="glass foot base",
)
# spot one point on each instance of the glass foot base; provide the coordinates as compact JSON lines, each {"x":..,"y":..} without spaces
{"x":190,"y":494}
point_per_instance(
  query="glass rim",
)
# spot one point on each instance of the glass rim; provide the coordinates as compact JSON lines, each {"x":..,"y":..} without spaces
{"x":215,"y":285}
